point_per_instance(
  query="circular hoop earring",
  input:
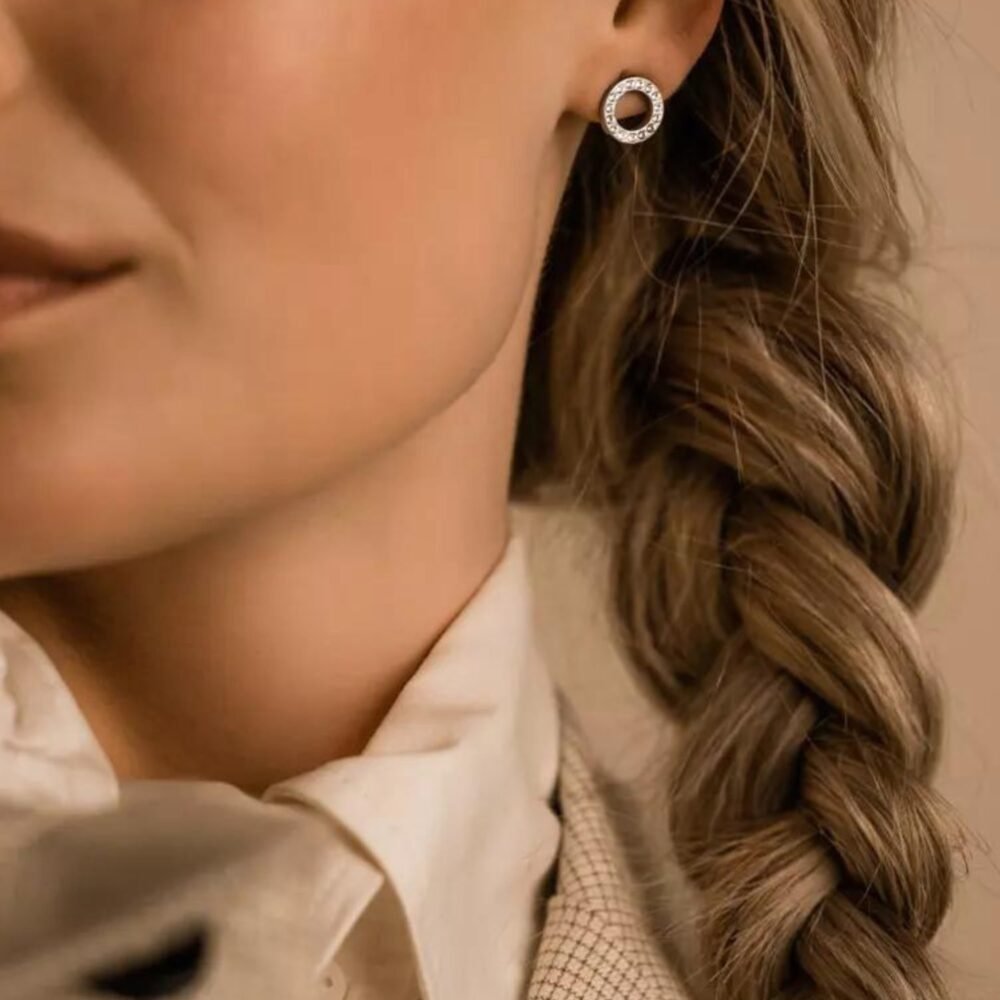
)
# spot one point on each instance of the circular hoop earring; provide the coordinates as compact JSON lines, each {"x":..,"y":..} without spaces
{"x":629,"y":85}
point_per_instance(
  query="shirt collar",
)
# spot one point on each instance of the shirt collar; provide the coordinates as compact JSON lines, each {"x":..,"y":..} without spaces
{"x":450,"y":796}
{"x":451,"y":793}
{"x":49,"y":757}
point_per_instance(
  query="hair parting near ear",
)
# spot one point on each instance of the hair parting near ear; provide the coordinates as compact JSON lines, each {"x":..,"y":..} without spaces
{"x":722,"y":366}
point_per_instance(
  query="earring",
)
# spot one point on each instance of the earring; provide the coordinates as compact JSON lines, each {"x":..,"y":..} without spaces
{"x":632,"y":84}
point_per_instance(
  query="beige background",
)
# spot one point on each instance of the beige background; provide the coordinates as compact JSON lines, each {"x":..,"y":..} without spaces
{"x":951,"y":106}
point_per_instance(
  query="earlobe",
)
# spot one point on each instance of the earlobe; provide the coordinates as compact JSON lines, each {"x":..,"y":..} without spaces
{"x":701,"y":23}
{"x":670,"y":35}
{"x":659,"y":40}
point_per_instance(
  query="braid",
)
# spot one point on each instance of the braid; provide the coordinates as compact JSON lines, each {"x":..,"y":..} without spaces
{"x":717,"y":372}
{"x":800,"y":804}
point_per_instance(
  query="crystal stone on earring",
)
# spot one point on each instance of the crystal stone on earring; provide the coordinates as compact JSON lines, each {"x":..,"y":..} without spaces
{"x":633,"y":84}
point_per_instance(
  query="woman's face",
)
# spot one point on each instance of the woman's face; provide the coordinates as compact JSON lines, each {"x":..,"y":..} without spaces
{"x":330,"y":208}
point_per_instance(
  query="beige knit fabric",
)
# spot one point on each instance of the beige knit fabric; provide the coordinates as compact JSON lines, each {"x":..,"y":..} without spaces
{"x":596,"y":943}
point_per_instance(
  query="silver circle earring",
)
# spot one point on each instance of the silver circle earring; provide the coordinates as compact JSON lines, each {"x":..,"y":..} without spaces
{"x":629,"y":85}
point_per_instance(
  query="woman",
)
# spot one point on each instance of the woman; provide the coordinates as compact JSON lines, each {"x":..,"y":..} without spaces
{"x":297,"y":301}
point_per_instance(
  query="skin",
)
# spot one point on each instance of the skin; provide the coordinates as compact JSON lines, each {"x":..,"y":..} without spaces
{"x":291,"y":425}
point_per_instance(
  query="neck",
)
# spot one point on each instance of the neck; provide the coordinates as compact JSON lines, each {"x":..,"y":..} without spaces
{"x":279,"y":642}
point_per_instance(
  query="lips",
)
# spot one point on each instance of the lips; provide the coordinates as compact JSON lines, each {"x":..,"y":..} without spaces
{"x":19,"y":292}
{"x":36,"y":270}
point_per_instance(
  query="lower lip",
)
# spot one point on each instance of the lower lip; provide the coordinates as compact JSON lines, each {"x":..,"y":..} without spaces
{"x":23,"y":296}
{"x":21,"y":292}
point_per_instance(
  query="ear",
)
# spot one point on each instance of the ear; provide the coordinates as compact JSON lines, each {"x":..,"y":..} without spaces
{"x":658,"y":39}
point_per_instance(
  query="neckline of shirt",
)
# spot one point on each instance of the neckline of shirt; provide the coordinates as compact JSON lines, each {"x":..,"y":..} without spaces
{"x":467,"y":756}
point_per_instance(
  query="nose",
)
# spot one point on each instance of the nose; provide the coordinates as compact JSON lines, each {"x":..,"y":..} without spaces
{"x":13,"y":55}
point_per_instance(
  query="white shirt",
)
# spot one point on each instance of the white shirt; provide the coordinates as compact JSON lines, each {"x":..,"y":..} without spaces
{"x":442,"y":830}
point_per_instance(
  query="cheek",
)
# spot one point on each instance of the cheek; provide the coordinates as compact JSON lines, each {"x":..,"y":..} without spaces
{"x":351,"y":193}
{"x":358,"y":192}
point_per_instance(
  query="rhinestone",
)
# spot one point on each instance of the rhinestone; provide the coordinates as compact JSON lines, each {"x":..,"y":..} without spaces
{"x":631,"y":84}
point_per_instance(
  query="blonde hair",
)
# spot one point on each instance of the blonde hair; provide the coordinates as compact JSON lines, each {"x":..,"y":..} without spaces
{"x":720,"y":366}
